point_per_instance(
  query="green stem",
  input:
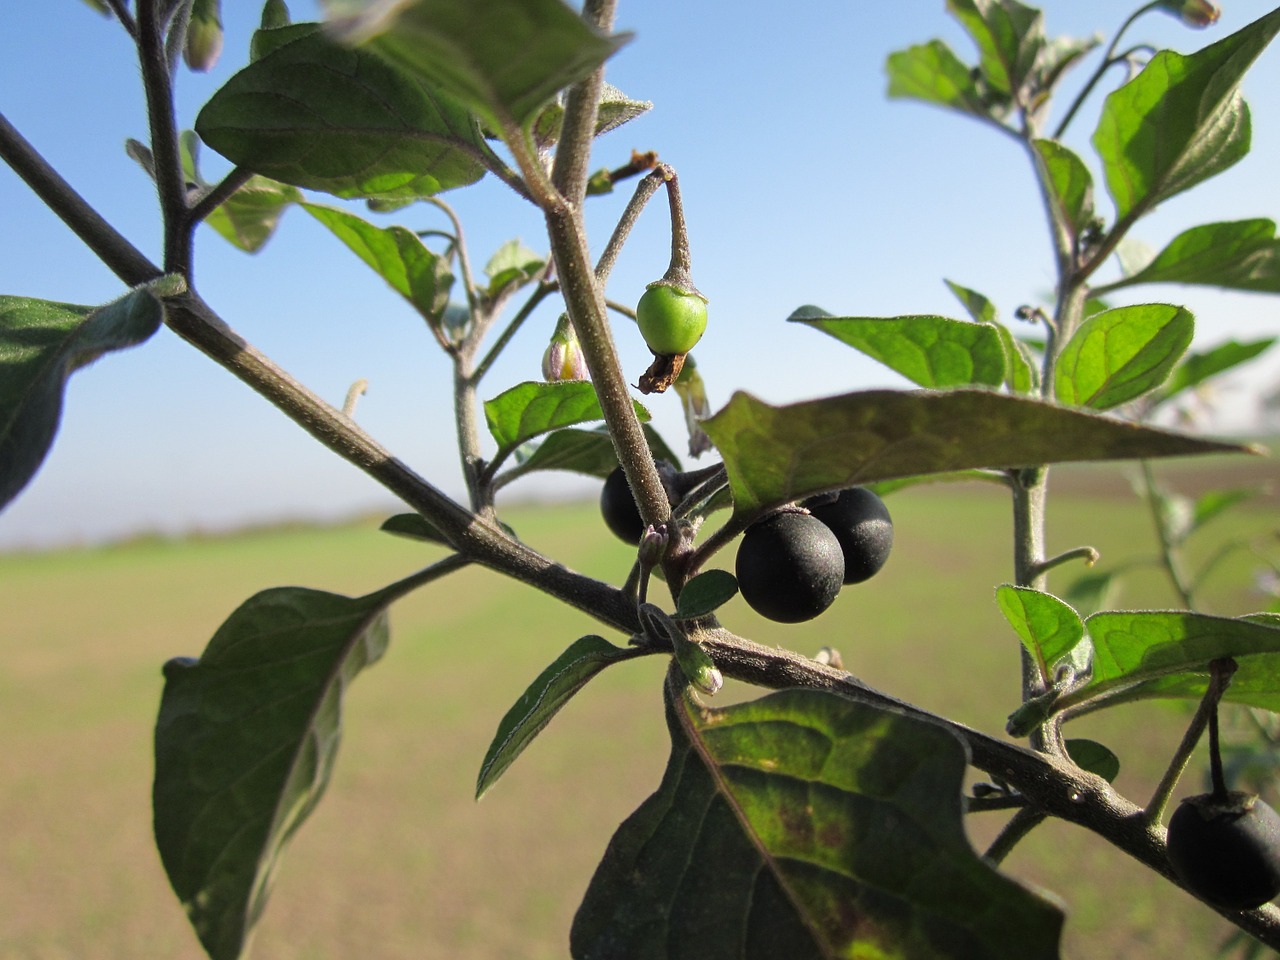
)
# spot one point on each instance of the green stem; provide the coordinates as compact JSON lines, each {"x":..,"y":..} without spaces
{"x":1170,"y":558}
{"x":157,"y":82}
{"x":1109,"y":60}
{"x":582,"y":106}
{"x":1018,"y":827}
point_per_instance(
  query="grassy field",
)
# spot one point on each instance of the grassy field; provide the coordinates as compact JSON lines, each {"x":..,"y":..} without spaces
{"x":399,"y":861}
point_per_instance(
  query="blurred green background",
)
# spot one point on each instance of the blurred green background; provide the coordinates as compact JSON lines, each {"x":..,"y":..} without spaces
{"x":400,"y":861}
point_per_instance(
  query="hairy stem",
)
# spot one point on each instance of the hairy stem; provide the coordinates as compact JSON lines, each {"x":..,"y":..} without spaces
{"x":157,"y":82}
{"x":569,"y":172}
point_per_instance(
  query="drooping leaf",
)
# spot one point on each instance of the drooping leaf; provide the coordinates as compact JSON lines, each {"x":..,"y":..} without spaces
{"x":1094,"y":757}
{"x":1180,"y":121}
{"x":503,"y":58}
{"x":933,"y":73}
{"x":1048,"y":627}
{"x":1196,"y":368}
{"x":245,"y":744}
{"x":1070,"y":182}
{"x":41,"y":345}
{"x":928,"y":350}
{"x":552,"y":689}
{"x":615,"y":109}
{"x":1009,"y":36}
{"x":705,"y":593}
{"x":512,"y":264}
{"x":803,"y":825}
{"x":1143,"y":654}
{"x":778,"y":454}
{"x":397,"y":255}
{"x":1239,"y":255}
{"x":1022,"y":374}
{"x":1120,"y":354}
{"x":975,"y":304}
{"x":318,"y":115}
{"x":533,"y":408}
{"x":414,"y":526}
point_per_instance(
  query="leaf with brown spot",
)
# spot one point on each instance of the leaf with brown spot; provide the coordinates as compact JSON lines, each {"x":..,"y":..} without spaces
{"x":806,"y":825}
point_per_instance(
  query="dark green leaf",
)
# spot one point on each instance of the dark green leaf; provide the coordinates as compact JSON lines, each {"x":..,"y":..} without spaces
{"x":513,"y":264}
{"x":778,"y":454}
{"x":928,"y":350}
{"x":1009,"y":38}
{"x":395,"y":254}
{"x":1070,"y":183}
{"x":271,"y":38}
{"x":1047,"y":626}
{"x":1196,"y":368}
{"x":978,"y":306}
{"x":414,"y":526}
{"x":1118,"y":355}
{"x":41,"y":345}
{"x":932,"y":73}
{"x":705,"y":593}
{"x":805,"y":825}
{"x":552,"y":689}
{"x":1180,"y":121}
{"x":245,"y":744}
{"x":1239,"y":255}
{"x":1143,"y":654}
{"x":318,"y":115}
{"x":532,"y":408}
{"x":503,"y":58}
{"x":1094,"y":757}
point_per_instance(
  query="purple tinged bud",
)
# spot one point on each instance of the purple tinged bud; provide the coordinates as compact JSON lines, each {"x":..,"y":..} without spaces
{"x":563,"y":359}
{"x":1194,"y":13}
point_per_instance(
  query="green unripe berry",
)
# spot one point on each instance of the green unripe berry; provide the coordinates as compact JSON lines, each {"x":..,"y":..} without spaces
{"x":671,"y":320}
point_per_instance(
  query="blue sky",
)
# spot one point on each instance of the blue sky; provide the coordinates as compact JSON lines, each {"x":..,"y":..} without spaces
{"x":803,"y":184}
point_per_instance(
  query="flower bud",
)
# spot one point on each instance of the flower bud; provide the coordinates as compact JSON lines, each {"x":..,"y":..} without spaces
{"x":1194,"y":13}
{"x":204,"y":35}
{"x":563,"y":359}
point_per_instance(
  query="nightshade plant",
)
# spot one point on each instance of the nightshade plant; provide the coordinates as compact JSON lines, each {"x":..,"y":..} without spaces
{"x":824,"y":819}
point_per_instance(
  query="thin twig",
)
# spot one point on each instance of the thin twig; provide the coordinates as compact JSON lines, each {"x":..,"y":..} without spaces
{"x":157,"y":83}
{"x":220,"y":194}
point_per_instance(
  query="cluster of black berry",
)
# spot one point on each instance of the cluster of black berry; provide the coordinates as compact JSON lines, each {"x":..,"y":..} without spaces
{"x":792,"y":564}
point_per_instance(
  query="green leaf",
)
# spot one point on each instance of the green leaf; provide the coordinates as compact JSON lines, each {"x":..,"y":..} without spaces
{"x":512,"y":265}
{"x":1144,"y":654}
{"x":1120,"y":354}
{"x":1047,"y":626}
{"x":1216,"y":502}
{"x":778,"y":454}
{"x":503,"y":58}
{"x":245,"y":744}
{"x":933,"y":73}
{"x":1238,"y":255}
{"x":1009,"y":38}
{"x":315,"y":114}
{"x":413,"y":526}
{"x":1070,"y":183}
{"x":1180,"y":121}
{"x":1196,"y":368}
{"x":41,"y":345}
{"x":615,"y":109}
{"x":705,"y":593}
{"x":928,"y":350}
{"x":583,"y":451}
{"x":975,"y":304}
{"x":1094,"y":757}
{"x":395,"y":254}
{"x":1022,"y":373}
{"x":1090,"y":592}
{"x":552,"y":689}
{"x":805,"y":825}
{"x":532,"y":408}
{"x":247,"y":218}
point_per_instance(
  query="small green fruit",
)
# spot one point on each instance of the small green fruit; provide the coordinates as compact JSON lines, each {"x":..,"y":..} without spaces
{"x":671,"y":320}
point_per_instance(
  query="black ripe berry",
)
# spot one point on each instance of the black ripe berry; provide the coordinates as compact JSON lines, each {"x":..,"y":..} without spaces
{"x":1226,"y":849}
{"x":789,"y":567}
{"x":618,"y":506}
{"x":861,"y":523}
